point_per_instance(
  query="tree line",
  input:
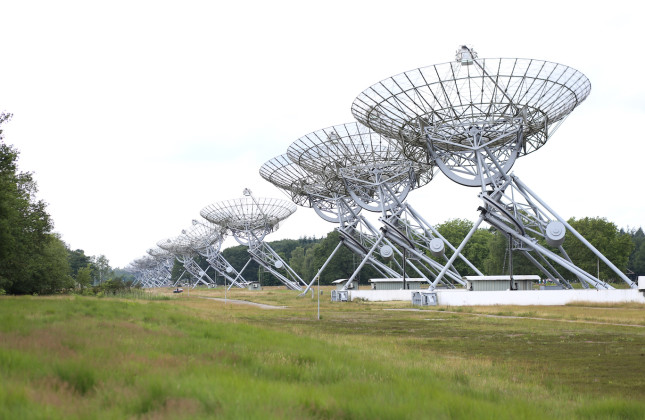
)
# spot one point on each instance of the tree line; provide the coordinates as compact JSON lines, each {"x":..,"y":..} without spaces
{"x":488,"y":250}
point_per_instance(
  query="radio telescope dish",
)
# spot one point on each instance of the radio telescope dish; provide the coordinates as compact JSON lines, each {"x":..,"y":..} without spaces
{"x":378,"y":177}
{"x":160,"y":274}
{"x":159,"y":253}
{"x":181,"y":248}
{"x":363,"y":158}
{"x":206,"y":238}
{"x":290,"y":178}
{"x":250,"y":219}
{"x":150,"y":271}
{"x":326,"y":195}
{"x":475,"y":117}
{"x":473,"y":114}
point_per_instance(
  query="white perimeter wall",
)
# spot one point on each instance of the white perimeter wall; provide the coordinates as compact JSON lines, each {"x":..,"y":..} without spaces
{"x":507,"y":297}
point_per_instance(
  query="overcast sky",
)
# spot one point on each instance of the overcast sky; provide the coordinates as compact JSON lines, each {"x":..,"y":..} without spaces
{"x":134,"y":115}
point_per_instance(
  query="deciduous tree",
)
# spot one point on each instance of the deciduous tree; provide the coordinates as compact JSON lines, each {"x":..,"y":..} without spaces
{"x":605,"y":237}
{"x":25,"y":227}
{"x":84,"y":277}
{"x":476,"y":250}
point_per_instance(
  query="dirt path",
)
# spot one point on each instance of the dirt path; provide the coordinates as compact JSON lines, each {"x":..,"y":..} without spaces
{"x":581,"y":321}
{"x":244,"y":302}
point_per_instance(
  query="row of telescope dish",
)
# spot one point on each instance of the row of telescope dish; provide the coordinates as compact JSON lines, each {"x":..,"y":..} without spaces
{"x":248,"y":219}
{"x":469,"y":119}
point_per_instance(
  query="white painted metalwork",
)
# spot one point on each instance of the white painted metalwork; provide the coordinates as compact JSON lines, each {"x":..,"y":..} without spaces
{"x":473,"y":118}
{"x":206,"y":239}
{"x":181,"y":248}
{"x":250,"y":220}
{"x":163,"y":268}
{"x":326,"y":194}
{"x":378,"y":177}
{"x":146,"y":272}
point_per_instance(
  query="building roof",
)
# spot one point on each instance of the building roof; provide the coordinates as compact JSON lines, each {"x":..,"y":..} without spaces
{"x":507,"y":278}
{"x":341,"y":281}
{"x":397,"y":280}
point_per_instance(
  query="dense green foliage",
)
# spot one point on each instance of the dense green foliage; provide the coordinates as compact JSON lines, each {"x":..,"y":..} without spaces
{"x":298,"y":253}
{"x":77,"y":260}
{"x":488,"y":249}
{"x":605,"y":237}
{"x":636,"y":263}
{"x":306,"y":256}
{"x":33,"y":259}
{"x":477,"y":249}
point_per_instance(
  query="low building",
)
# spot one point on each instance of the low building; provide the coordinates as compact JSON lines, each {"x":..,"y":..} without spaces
{"x":497,"y":283}
{"x":340,"y":283}
{"x":397,"y":284}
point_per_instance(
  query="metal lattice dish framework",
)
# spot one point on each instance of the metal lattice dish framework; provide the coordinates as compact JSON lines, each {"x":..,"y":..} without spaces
{"x":182,"y":247}
{"x":506,"y":107}
{"x":206,"y":238}
{"x":158,"y":253}
{"x":309,"y":189}
{"x":325,"y":193}
{"x":359,"y":155}
{"x":476,"y":117}
{"x":179,"y":246}
{"x":159,"y":274}
{"x":144,"y":263}
{"x":249,"y":218}
{"x":290,"y":178}
{"x":142,"y":269}
{"x":203,"y":235}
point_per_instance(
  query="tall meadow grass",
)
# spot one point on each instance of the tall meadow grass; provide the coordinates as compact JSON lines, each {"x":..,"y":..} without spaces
{"x":188,"y":357}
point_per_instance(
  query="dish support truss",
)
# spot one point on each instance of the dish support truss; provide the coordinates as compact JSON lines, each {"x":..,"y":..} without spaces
{"x":207,"y":240}
{"x":262,"y":253}
{"x":515,"y":210}
{"x":388,"y":187}
{"x":195,"y":270}
{"x":474,"y":122}
{"x":163,"y":267}
{"x":142,"y":274}
{"x":377,"y":176}
{"x":151,"y":272}
{"x":325,"y":193}
{"x":217,"y":261}
{"x":509,"y":205}
{"x":180,"y":248}
{"x":362,"y":238}
{"x":252,"y":234}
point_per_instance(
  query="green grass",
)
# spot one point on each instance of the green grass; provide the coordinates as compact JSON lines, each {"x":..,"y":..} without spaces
{"x":188,"y":357}
{"x":145,"y":294}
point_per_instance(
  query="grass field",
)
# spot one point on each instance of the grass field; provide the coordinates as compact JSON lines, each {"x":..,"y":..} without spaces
{"x":190,"y":357}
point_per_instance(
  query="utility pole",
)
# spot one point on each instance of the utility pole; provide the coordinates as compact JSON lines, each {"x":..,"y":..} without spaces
{"x":318,"y":298}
